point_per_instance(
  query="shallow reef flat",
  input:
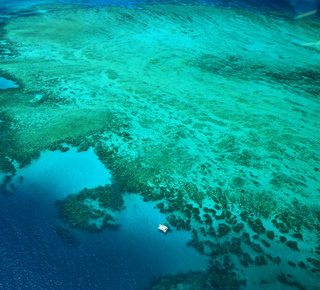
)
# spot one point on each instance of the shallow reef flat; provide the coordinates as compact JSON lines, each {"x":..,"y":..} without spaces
{"x":214,"y":113}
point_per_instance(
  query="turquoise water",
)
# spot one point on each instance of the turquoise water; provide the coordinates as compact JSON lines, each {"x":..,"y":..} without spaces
{"x":200,"y":115}
{"x":7,"y":84}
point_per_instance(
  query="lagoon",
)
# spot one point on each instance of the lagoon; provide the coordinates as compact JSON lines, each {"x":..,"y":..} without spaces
{"x":7,"y":84}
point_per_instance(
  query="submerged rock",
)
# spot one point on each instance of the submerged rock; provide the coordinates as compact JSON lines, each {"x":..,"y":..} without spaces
{"x":276,"y":260}
{"x":246,"y":260}
{"x":211,"y":232}
{"x":292,"y":264}
{"x":256,"y":247}
{"x":314,"y":262}
{"x":197,"y":244}
{"x":223,"y":229}
{"x":282,"y":239}
{"x":91,"y":209}
{"x":260,"y":260}
{"x":257,"y":226}
{"x":265,"y":243}
{"x":221,"y":216}
{"x":270,"y":235}
{"x":196,"y":211}
{"x":280,"y":226}
{"x":208,"y":219}
{"x":246,"y":238}
{"x":238,"y":227}
{"x":244,"y":216}
{"x":224,"y":279}
{"x":298,"y":236}
{"x":288,"y":280}
{"x":235,"y":246}
{"x":293,"y":245}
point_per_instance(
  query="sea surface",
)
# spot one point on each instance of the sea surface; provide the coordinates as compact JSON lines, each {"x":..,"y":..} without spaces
{"x":39,"y":251}
{"x":19,"y":7}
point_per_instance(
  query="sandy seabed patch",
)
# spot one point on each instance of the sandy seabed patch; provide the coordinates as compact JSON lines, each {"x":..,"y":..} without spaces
{"x":185,"y":104}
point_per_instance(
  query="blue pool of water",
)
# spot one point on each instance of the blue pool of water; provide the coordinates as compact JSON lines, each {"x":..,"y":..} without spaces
{"x":35,"y":256}
{"x":7,"y":84}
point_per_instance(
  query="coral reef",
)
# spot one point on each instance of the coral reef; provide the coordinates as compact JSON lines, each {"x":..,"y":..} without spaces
{"x":91,"y":209}
{"x":224,"y":141}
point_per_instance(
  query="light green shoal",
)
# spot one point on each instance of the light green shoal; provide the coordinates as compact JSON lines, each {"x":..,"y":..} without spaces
{"x":193,"y":101}
{"x":206,"y":95}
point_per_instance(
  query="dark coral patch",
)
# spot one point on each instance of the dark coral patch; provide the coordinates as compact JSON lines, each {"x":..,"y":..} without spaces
{"x":223,"y":229}
{"x":257,"y":226}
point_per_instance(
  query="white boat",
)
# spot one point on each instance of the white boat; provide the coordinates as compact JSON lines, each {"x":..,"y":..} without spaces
{"x":163,"y":228}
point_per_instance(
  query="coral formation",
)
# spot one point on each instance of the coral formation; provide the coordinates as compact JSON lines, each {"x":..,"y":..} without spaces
{"x":223,"y":139}
{"x":91,"y":209}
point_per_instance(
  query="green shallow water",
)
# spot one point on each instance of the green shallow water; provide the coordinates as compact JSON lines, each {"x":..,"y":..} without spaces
{"x":210,"y":113}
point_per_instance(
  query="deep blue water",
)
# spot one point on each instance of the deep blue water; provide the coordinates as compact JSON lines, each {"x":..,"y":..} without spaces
{"x":33,"y":255}
{"x":38,"y":251}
